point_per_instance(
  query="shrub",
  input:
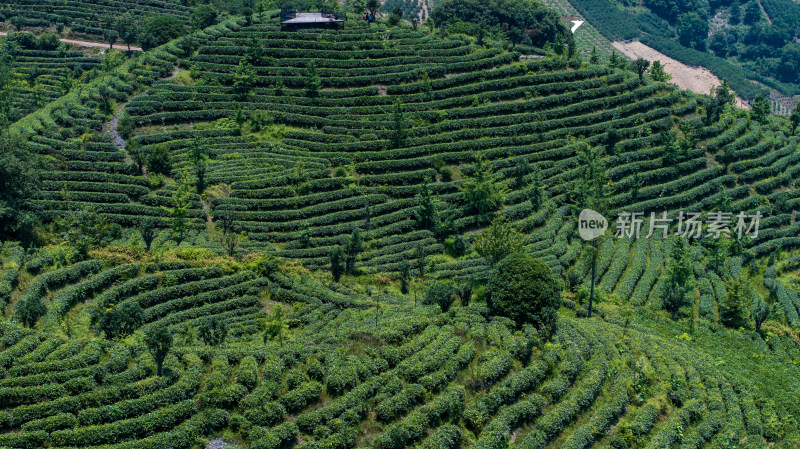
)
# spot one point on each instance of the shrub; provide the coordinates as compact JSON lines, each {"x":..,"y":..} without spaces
{"x":523,"y":288}
{"x":440,"y":293}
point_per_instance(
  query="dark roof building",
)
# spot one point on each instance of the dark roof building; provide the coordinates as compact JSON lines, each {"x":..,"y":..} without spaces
{"x":291,"y":19}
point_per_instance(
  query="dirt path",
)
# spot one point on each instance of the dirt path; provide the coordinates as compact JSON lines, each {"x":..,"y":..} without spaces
{"x":696,"y":79}
{"x":769,"y":19}
{"x":91,"y":44}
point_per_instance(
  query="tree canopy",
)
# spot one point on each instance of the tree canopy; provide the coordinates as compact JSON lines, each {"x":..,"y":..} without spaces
{"x":523,"y":21}
{"x":523,"y":288}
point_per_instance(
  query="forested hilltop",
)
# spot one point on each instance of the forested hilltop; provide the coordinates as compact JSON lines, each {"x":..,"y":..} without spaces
{"x":753,"y":45}
{"x":367,"y":236}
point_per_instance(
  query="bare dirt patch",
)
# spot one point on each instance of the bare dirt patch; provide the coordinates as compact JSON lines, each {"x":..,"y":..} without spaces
{"x":696,"y":79}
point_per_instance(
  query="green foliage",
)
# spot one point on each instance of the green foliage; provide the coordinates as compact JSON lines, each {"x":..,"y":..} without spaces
{"x":203,"y":16}
{"x":592,"y":187}
{"x":760,"y":311}
{"x":352,"y":248}
{"x":19,"y":182}
{"x":734,"y":309}
{"x":399,"y":124}
{"x":640,"y":66}
{"x":127,"y":28}
{"x":119,"y":321}
{"x":482,"y":193}
{"x":498,"y":241}
{"x":523,"y":288}
{"x":678,"y":288}
{"x":336,"y":259}
{"x":313,"y":81}
{"x":761,"y":109}
{"x":513,"y":17}
{"x":794,"y":118}
{"x":405,"y":275}
{"x":213,"y":332}
{"x":160,"y":29}
{"x":159,"y":160}
{"x":158,"y":341}
{"x":441,"y":294}
{"x":30,"y":309}
{"x":275,"y":327}
{"x":428,"y":208}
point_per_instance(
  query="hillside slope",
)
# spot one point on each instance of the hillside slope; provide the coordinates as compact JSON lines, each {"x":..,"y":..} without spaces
{"x":256,"y":153}
{"x":368,"y":368}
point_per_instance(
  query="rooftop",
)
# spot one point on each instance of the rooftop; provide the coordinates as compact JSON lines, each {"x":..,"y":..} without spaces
{"x":310,"y":17}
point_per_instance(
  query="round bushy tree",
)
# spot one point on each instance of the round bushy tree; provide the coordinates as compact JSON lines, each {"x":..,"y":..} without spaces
{"x":523,"y":288}
{"x":441,"y":294}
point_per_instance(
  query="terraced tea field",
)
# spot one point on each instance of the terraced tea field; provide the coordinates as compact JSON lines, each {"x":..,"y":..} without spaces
{"x":356,"y":368}
{"x":84,"y":17}
{"x":302,"y":142}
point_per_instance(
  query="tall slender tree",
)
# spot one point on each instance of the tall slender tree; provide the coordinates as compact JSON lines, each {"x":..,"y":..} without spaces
{"x":158,"y":340}
{"x":679,"y":280}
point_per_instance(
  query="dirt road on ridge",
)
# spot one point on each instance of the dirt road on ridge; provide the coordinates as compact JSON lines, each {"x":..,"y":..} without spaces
{"x":91,"y":44}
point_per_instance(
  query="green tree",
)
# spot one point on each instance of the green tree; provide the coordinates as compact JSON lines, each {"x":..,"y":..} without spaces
{"x":275,"y":327}
{"x":352,"y":249}
{"x":19,"y":182}
{"x":679,"y":280}
{"x":734,"y":310}
{"x":794,"y":118}
{"x":427,"y":213}
{"x":594,"y":58}
{"x":29,"y":309}
{"x":722,"y":99}
{"x":266,"y":264}
{"x":118,"y":321}
{"x":203,"y":16}
{"x":128,"y":28}
{"x":198,"y":156}
{"x":244,"y":79}
{"x":396,"y":16}
{"x":357,"y":6}
{"x":537,"y":191}
{"x":482,"y":194}
{"x":498,"y":240}
{"x":213,"y":331}
{"x":640,"y":66}
{"x":158,"y":340}
{"x":159,"y":160}
{"x":181,"y":203}
{"x":593,"y":184}
{"x":723,"y":201}
{"x":373,"y":6}
{"x":672,"y":149}
{"x":752,"y":13}
{"x":439,"y":293}
{"x":110,"y":33}
{"x":255,"y":52}
{"x":761,"y":109}
{"x":336,"y":258}
{"x":399,"y":132}
{"x":160,"y":29}
{"x":523,"y":288}
{"x":313,"y":81}
{"x":147,"y":229}
{"x":405,"y":276}
{"x":419,"y":255}
{"x":718,"y":255}
{"x":658,"y":73}
{"x":760,"y":311}
{"x":615,"y":61}
{"x":692,"y":30}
